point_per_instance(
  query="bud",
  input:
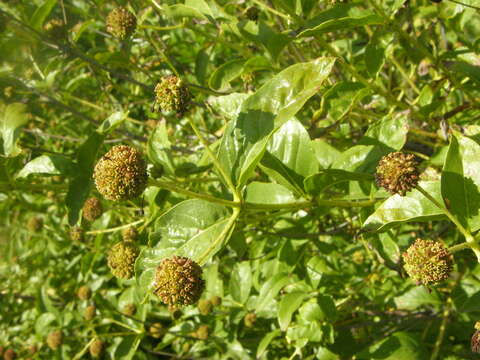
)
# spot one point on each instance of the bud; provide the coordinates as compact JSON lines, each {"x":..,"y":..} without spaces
{"x":121,"y":23}
{"x":129,"y":309}
{"x":32,"y":349}
{"x":171,"y":95}
{"x":428,"y":262}
{"x":250,"y":319}
{"x":121,"y":259}
{"x":77,"y":234}
{"x":205,"y":307}
{"x":121,"y":174}
{"x":216,"y":300}
{"x":96,"y":348}
{"x":90,"y":312}
{"x":84,"y":292}
{"x":55,"y":340}
{"x":129,"y":234}
{"x":35,"y":224}
{"x":157,"y":330}
{"x":178,"y":281}
{"x":475,"y":342}
{"x":10,"y":354}
{"x":397,"y":173}
{"x":252,"y":13}
{"x":357,"y":257}
{"x":202,"y":332}
{"x":56,"y":29}
{"x":92,"y":209}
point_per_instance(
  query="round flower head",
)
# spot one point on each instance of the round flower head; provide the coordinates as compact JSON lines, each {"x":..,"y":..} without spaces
{"x":428,"y":262}
{"x":35,"y":224}
{"x":216,"y":300}
{"x":171,"y":95}
{"x":205,"y":307}
{"x":129,"y":309}
{"x":121,"y":23}
{"x":121,"y":174}
{"x":475,"y":342}
{"x":96,"y":348}
{"x":55,"y":340}
{"x":77,"y":234}
{"x":202,"y":332}
{"x":92,"y":209}
{"x":156,"y":330}
{"x":250,"y":319}
{"x":178,"y":281}
{"x":397,"y":173}
{"x":129,"y":234}
{"x":56,"y":29}
{"x":84,"y":292}
{"x":121,"y":259}
{"x":90,"y":312}
{"x":10,"y":354}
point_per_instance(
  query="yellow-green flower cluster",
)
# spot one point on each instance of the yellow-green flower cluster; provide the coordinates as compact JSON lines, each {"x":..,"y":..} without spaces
{"x":428,"y":262}
{"x":250,"y":319}
{"x":156,"y":330}
{"x":96,"y":348}
{"x":129,"y":309}
{"x":397,"y":173}
{"x":129,"y":234}
{"x":171,"y":95}
{"x":35,"y":224}
{"x":77,"y":234}
{"x":55,"y":340}
{"x":84,"y":292}
{"x":202,"y":333}
{"x":178,"y":281}
{"x":90,"y":312}
{"x":121,"y":174}
{"x":121,"y":259}
{"x":121,"y":23}
{"x":92,"y":209}
{"x":205,"y":306}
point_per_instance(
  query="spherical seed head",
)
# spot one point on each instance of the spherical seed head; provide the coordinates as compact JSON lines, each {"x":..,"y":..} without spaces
{"x":121,"y":174}
{"x":397,"y":173}
{"x":252,"y":13}
{"x":475,"y":342}
{"x":121,"y":259}
{"x":129,"y":309}
{"x":92,"y":209}
{"x":428,"y":262}
{"x":90,"y":312}
{"x":35,"y":224}
{"x":202,"y":332}
{"x":121,"y":23}
{"x":84,"y":292}
{"x":9,"y":354}
{"x":216,"y":300}
{"x":171,"y":95}
{"x":178,"y":281}
{"x":129,"y":234}
{"x":96,"y":348}
{"x":250,"y":319}
{"x":77,"y":234}
{"x":156,"y":330}
{"x":56,"y":29}
{"x":205,"y":307}
{"x":55,"y":340}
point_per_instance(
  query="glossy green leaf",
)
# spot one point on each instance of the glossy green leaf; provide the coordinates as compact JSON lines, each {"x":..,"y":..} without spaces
{"x":261,"y":114}
{"x":374,"y":58}
{"x":397,"y":346}
{"x":400,"y":209}
{"x":391,"y":132}
{"x":13,"y":117}
{"x":241,"y":282}
{"x":416,"y":297}
{"x":225,"y":73}
{"x":270,"y":289}
{"x":113,"y":121}
{"x":41,"y":14}
{"x":228,"y":106}
{"x":158,"y":149}
{"x":288,"y":305}
{"x":325,"y":153}
{"x":49,"y":165}
{"x":339,"y":100}
{"x":266,"y":340}
{"x":345,"y":23}
{"x":327,"y":178}
{"x":268,"y":193}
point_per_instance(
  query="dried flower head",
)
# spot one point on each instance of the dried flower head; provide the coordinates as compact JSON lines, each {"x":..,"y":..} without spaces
{"x":475,"y":342}
{"x":428,"y":262}
{"x":84,"y":292}
{"x":205,"y":307}
{"x":90,"y":312}
{"x":178,"y":281}
{"x":121,"y":174}
{"x":55,"y":339}
{"x":157,"y":330}
{"x":10,"y":354}
{"x":92,"y":209}
{"x":171,"y":95}
{"x":250,"y":319}
{"x":129,"y":309}
{"x":129,"y":234}
{"x":121,"y":23}
{"x":56,"y":29}
{"x":77,"y":234}
{"x":96,"y":348}
{"x":121,"y":259}
{"x":397,"y":173}
{"x":35,"y":224}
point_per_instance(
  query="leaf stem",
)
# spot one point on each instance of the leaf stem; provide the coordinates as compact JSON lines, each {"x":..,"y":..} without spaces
{"x":458,"y":247}
{"x":102,"y":231}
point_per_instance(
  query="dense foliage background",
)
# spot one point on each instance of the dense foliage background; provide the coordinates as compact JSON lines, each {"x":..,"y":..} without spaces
{"x":297,"y":100}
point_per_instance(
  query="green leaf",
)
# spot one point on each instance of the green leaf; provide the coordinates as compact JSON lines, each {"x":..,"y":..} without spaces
{"x":112,"y":122}
{"x":466,"y":69}
{"x":417,"y":297}
{"x":325,"y":153}
{"x":49,"y":165}
{"x":290,"y":156}
{"x":461,"y":180}
{"x":228,"y":106}
{"x":339,"y":100}
{"x":400,"y":209}
{"x":13,"y":117}
{"x":125,"y":347}
{"x":241,"y":282}
{"x":398,"y":346}
{"x":288,"y":305}
{"x":225,"y":73}
{"x":262,"y":113}
{"x":323,"y":180}
{"x":41,"y":13}
{"x":268,"y":193}
{"x":345,"y":23}
{"x":270,"y":289}
{"x":158,"y":149}
{"x":266,"y":340}
{"x":390,"y":132}
{"x":374,"y":58}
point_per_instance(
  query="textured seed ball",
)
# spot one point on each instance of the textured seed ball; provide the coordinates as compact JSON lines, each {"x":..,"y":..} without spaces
{"x":397,"y":173}
{"x":216,"y":300}
{"x":205,"y":307}
{"x":129,"y":234}
{"x":121,"y":23}
{"x":129,"y":309}
{"x":35,"y":224}
{"x":156,"y":330}
{"x":10,"y":354}
{"x":202,"y":332}
{"x":77,"y":234}
{"x":55,"y":340}
{"x":252,"y":13}
{"x":178,"y":281}
{"x":121,"y":259}
{"x":250,"y":319}
{"x":56,"y":29}
{"x":171,"y":95}
{"x":96,"y":348}
{"x":92,"y":209}
{"x":90,"y":312}
{"x":121,"y":174}
{"x":475,"y":342}
{"x":428,"y":262}
{"x":84,"y":292}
